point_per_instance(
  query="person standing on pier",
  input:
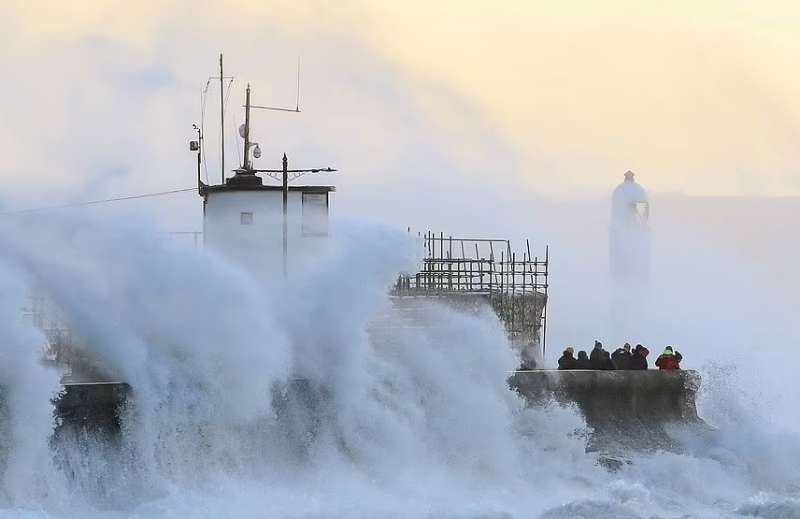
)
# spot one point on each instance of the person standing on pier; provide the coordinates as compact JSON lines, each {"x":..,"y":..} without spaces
{"x":567,"y":360}
{"x":583,"y":361}
{"x":638,"y":359}
{"x":622,"y":357}
{"x":669,"y":359}
{"x":608,"y":364}
{"x":596,"y":355}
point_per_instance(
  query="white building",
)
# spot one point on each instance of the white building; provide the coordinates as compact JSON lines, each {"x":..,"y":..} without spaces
{"x":243,"y":221}
{"x":629,"y":231}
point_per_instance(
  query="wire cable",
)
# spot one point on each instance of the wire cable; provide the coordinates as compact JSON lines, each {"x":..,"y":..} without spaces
{"x":203,"y":97}
{"x":297,"y":99}
{"x":95,"y":202}
{"x":236,"y":127}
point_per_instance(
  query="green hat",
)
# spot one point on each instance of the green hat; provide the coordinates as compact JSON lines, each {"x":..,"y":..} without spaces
{"x":668,"y":351}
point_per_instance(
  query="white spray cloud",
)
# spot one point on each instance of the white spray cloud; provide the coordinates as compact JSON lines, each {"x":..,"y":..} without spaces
{"x":417,"y":415}
{"x":203,"y":346}
{"x":26,"y":387}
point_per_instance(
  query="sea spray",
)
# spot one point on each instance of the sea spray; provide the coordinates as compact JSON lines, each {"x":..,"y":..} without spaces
{"x":419,"y":421}
{"x":192,"y":336}
{"x":203,"y":346}
{"x":26,"y":388}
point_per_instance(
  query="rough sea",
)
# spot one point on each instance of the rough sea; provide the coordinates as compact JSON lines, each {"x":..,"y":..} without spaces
{"x":417,"y":422}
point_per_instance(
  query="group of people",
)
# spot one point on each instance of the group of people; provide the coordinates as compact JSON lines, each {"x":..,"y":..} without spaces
{"x":622,"y":358}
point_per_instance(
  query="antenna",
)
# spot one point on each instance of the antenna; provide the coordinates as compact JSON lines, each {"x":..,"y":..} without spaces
{"x":246,"y":160}
{"x":297,"y":101}
{"x":296,"y":108}
{"x":245,"y":131}
{"x":197,"y":146}
{"x":222,"y":119}
{"x":222,"y":78}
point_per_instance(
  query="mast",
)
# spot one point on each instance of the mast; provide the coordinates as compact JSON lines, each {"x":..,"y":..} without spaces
{"x":222,"y":118}
{"x":285,"y":186}
{"x":199,"y":147}
{"x":246,"y":156}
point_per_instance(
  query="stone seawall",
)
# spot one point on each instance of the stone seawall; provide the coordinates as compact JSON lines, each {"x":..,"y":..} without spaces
{"x":625,"y":409}
{"x":90,"y":406}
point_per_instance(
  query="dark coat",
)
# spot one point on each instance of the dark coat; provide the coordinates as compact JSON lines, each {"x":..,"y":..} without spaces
{"x":621,"y":358}
{"x":637,"y":361}
{"x":567,"y":361}
{"x":596,"y":358}
{"x":608,"y":364}
{"x":583,"y":361}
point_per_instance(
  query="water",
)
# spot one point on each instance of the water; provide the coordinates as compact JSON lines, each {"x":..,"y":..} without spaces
{"x":417,"y":421}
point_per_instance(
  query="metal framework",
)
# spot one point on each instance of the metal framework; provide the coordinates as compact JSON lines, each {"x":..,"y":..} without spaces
{"x":515,"y":284}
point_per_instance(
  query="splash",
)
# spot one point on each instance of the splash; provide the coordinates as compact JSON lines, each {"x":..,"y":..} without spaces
{"x":25,"y":389}
{"x":415,"y":418}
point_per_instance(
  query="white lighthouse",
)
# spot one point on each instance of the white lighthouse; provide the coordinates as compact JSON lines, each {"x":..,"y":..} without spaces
{"x":629,"y":231}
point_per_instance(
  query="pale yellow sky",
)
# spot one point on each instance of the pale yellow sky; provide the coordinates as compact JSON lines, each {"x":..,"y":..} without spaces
{"x":698,"y":97}
{"x":701,"y":97}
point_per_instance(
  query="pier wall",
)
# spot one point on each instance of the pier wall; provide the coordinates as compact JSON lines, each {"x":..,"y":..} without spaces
{"x":624,"y":409}
{"x":520,"y":313}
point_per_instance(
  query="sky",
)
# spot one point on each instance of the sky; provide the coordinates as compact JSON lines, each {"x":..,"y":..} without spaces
{"x":468,"y":117}
{"x":555,"y":97}
{"x":453,"y":115}
{"x":700,"y":97}
{"x":487,"y":119}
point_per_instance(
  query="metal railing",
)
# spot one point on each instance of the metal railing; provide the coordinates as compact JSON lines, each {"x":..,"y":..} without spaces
{"x":516,"y":284}
{"x":475,"y":266}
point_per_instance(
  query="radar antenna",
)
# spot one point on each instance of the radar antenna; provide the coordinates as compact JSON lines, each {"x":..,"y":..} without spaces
{"x":296,"y":108}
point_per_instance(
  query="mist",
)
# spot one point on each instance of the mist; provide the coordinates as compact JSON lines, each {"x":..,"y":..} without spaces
{"x":410,"y":409}
{"x":417,"y":420}
{"x":203,"y":348}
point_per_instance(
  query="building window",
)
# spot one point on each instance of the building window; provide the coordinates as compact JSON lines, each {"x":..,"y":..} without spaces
{"x":315,"y":214}
{"x":246,"y":218}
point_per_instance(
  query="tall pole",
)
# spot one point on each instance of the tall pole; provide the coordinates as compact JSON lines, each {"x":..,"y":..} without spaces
{"x":199,"y":151}
{"x":222,"y":119}
{"x":285,"y":204}
{"x":246,"y":155}
{"x":284,"y":172}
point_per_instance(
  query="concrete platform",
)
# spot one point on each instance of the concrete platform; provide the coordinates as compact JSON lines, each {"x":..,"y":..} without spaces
{"x":625,"y":409}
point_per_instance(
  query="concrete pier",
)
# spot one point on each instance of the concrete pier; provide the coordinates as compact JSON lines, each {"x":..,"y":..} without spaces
{"x":90,"y":405}
{"x":625,"y":409}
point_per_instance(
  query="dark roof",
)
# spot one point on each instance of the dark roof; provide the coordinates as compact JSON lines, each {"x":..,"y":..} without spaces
{"x":243,"y":181}
{"x":204,"y":190}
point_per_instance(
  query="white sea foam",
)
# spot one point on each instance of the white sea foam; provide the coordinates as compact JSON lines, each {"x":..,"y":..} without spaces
{"x":414,"y":421}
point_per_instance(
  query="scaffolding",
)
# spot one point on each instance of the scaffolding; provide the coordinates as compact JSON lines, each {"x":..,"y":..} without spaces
{"x":61,"y":347}
{"x":515,"y":284}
